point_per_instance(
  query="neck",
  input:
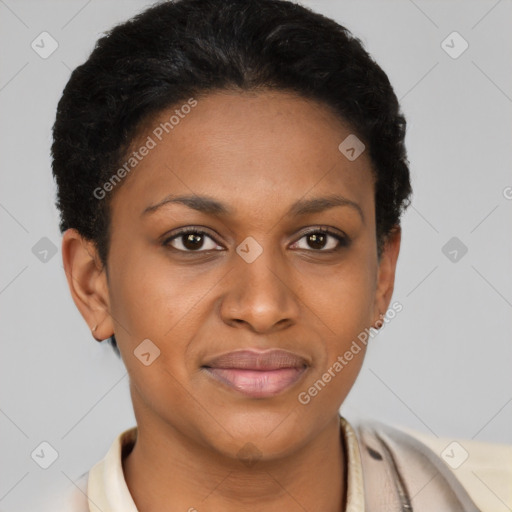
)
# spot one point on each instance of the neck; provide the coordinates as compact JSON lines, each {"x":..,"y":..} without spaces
{"x":165,"y":468}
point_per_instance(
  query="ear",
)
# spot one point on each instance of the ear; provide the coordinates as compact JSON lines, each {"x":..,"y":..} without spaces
{"x":386,"y":274}
{"x":87,"y":283}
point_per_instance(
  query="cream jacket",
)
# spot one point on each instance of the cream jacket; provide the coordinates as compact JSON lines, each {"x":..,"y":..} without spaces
{"x":389,"y":469}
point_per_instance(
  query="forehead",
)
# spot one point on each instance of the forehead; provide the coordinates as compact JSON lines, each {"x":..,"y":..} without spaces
{"x":255,"y":152}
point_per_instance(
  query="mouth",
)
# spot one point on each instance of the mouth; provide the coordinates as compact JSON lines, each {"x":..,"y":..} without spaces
{"x":257,"y":374}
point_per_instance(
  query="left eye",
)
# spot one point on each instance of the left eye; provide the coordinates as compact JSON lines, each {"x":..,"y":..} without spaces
{"x":322,"y":241}
{"x":192,"y":241}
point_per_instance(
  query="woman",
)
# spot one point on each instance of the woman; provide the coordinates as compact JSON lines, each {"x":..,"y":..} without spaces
{"x":231,"y":176}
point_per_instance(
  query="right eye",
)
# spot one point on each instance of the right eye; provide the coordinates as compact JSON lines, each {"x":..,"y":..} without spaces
{"x":191,"y":240}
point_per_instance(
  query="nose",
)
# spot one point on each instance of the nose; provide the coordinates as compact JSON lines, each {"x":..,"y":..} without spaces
{"x":260,"y":294}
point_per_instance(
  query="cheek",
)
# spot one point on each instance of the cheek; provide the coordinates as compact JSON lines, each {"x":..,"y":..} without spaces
{"x":152,"y":301}
{"x":343,"y":307}
{"x":342,"y":296}
{"x":344,"y":302}
{"x":150,"y":296}
{"x":167,"y":304}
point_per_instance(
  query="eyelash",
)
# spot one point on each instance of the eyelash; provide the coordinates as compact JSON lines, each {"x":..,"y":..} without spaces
{"x":343,"y":241}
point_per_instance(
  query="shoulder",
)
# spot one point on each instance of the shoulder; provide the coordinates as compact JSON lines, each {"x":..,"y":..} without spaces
{"x":484,"y":468}
{"x":477,"y":475}
{"x":99,"y":489}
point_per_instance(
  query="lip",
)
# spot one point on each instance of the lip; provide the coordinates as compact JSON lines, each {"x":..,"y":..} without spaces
{"x":257,"y":374}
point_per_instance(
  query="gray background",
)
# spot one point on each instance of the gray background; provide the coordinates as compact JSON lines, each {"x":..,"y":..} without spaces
{"x":442,"y":366}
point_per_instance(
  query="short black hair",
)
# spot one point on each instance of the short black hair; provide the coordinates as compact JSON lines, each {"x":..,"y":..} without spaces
{"x":180,"y":49}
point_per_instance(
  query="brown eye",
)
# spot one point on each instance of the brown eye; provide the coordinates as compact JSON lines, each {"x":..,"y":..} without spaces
{"x":317,"y":240}
{"x":321,"y":241}
{"x":192,"y":241}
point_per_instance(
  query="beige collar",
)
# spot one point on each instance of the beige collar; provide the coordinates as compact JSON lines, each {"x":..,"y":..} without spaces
{"x":108,"y":492}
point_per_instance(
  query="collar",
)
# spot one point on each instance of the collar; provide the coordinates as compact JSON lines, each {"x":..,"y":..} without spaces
{"x":108,"y":492}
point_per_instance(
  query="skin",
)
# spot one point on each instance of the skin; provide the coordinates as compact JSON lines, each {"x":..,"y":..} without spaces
{"x":257,"y":153}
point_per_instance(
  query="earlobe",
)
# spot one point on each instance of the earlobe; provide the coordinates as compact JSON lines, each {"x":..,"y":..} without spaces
{"x":386,"y":274}
{"x":87,"y":283}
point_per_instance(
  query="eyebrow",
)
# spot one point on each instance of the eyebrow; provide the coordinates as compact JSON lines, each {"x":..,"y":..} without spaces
{"x":211,"y":206}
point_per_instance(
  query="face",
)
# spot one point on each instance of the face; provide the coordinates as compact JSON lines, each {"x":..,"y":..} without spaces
{"x":274,"y":278}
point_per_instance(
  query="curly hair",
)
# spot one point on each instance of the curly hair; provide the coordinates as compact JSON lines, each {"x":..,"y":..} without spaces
{"x":183,"y":48}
